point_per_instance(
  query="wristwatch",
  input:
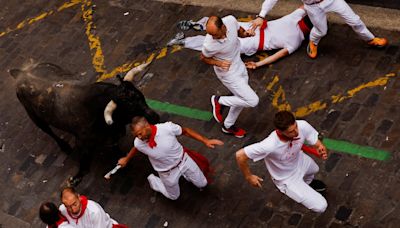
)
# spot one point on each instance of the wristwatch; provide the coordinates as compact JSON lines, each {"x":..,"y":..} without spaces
{"x":258,"y":16}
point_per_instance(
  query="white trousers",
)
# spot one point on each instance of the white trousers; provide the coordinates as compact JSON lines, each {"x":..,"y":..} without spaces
{"x":317,"y":13}
{"x":297,"y":187}
{"x":243,"y":95}
{"x":168,"y":182}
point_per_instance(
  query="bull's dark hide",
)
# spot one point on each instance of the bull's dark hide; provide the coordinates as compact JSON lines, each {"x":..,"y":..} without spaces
{"x":77,"y":108}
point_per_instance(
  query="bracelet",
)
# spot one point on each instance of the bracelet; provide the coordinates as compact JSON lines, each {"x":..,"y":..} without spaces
{"x":258,"y":16}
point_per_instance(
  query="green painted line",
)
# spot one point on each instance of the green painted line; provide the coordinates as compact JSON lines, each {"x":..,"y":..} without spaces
{"x":350,"y":148}
{"x":179,"y":110}
{"x":332,"y":144}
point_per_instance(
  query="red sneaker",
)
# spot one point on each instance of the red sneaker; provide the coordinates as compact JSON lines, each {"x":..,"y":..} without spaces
{"x":235,"y":131}
{"x":216,"y":109}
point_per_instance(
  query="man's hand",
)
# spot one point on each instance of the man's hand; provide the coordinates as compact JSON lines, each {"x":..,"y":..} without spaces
{"x":322,"y":151}
{"x":251,"y":65}
{"x":254,"y":180}
{"x":224,"y":64}
{"x":254,"y":24}
{"x":210,"y":143}
{"x":123,"y":161}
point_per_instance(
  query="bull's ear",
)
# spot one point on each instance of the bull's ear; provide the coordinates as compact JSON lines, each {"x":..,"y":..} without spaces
{"x":15,"y":72}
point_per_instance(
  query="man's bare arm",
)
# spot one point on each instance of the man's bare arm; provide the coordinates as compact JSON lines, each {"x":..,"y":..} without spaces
{"x":224,"y":64}
{"x":242,"y":159}
{"x":270,"y":59}
{"x":195,"y":135}
{"x":123,"y":161}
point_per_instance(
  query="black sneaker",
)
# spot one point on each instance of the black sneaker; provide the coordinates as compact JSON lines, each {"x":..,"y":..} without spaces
{"x":318,"y":186}
{"x":235,"y":131}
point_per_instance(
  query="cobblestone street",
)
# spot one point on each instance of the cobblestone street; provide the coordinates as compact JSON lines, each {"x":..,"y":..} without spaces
{"x":349,"y":93}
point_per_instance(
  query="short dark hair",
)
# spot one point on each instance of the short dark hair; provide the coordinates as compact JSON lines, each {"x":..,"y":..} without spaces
{"x":283,"y":120}
{"x":139,"y":120}
{"x":49,"y":213}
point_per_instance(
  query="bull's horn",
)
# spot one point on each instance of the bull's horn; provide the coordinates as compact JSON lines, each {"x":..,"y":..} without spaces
{"x":135,"y":70}
{"x":108,"y":111}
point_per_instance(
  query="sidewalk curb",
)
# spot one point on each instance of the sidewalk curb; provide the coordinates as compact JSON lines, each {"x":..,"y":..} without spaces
{"x":374,"y":17}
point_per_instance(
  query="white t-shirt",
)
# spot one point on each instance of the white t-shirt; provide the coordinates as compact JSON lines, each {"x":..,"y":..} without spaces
{"x":93,"y":217}
{"x":281,"y":159}
{"x":226,"y":49}
{"x":168,"y":151}
{"x":281,"y":33}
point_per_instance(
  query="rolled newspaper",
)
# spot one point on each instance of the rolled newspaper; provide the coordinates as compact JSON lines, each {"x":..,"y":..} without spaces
{"x":108,"y":175}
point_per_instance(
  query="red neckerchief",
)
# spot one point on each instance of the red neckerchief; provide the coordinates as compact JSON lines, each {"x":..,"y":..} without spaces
{"x":285,"y":138}
{"x":304,"y":147}
{"x":84,"y":202}
{"x":152,"y":143}
{"x":262,"y":34}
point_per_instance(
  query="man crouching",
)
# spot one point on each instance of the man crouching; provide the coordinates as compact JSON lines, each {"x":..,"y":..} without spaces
{"x":168,"y":157}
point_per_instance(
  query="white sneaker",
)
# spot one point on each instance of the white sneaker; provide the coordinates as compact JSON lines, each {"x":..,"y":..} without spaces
{"x":151,"y":178}
{"x":179,"y":39}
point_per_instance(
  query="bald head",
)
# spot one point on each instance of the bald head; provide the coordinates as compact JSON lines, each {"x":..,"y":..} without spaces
{"x":215,"y":27}
{"x":70,"y":199}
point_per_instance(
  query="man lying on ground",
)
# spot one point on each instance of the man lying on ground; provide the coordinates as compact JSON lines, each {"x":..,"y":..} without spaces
{"x":284,"y":34}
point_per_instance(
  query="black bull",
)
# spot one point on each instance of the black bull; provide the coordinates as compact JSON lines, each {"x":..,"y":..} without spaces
{"x":52,"y":100}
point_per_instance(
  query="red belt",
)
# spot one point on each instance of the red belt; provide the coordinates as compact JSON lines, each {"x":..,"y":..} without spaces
{"x":262,"y":34}
{"x":119,"y":226}
{"x":303,"y":27}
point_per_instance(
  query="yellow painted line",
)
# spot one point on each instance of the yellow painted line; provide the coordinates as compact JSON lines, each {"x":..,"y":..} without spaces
{"x":279,"y":96}
{"x":262,"y":55}
{"x":129,"y":65}
{"x":94,"y":40}
{"x":307,"y":110}
{"x":245,"y":19}
{"x":319,"y":105}
{"x":378,"y":82}
{"x":163,"y":53}
{"x":279,"y":100}
{"x":176,"y":48}
{"x":68,"y":4}
{"x":273,"y":82}
{"x":39,"y":17}
{"x":123,"y":68}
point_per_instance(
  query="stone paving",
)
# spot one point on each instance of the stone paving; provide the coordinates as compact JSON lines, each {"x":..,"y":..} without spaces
{"x":362,"y":192}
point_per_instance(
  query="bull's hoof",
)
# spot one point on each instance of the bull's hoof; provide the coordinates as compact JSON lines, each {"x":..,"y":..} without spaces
{"x":74,"y":181}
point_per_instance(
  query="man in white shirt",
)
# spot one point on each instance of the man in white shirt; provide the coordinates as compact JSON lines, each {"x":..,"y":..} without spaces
{"x":292,"y":171}
{"x":221,"y":49}
{"x":285,"y":34}
{"x":167,"y":155}
{"x":84,"y":213}
{"x":317,"y":11}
